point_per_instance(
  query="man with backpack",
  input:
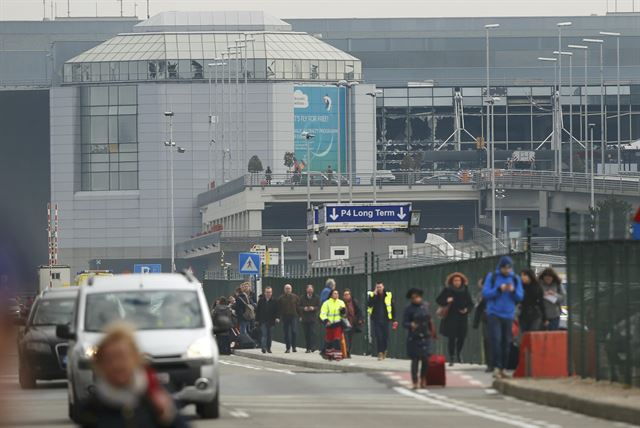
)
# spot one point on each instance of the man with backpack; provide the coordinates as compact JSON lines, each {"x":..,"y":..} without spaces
{"x":222,"y":314}
{"x":502,"y":291}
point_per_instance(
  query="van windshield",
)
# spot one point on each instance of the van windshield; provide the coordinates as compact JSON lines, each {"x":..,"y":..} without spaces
{"x":146,"y":310}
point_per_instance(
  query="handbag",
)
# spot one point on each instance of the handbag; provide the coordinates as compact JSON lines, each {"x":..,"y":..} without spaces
{"x":443,"y":311}
{"x":249,"y":313}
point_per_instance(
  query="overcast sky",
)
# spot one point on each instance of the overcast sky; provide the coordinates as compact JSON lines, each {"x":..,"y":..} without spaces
{"x":33,"y":9}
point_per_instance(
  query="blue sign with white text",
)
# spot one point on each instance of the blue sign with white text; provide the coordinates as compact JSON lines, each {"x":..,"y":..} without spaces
{"x":147,"y":268}
{"x":249,"y":263}
{"x":392,"y":216}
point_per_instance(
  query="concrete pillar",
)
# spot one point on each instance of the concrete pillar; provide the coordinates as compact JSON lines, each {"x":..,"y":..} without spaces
{"x":543,"y":203}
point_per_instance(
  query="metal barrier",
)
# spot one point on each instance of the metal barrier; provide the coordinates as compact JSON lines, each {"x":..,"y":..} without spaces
{"x":604,"y":310}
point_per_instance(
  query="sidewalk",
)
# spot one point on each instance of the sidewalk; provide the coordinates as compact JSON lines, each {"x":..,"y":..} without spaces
{"x":357,"y":363}
{"x":599,"y":399}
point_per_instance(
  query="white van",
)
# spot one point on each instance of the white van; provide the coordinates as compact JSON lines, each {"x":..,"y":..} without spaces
{"x":174,"y":331}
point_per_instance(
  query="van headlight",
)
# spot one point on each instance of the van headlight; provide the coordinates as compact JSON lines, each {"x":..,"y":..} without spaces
{"x":201,"y":348}
{"x":90,"y":351}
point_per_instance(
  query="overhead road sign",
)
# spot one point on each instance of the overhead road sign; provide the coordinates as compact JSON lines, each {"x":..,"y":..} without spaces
{"x":249,"y":263}
{"x":367,"y":216}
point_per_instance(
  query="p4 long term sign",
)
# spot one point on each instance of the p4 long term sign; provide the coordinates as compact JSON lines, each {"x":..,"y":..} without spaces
{"x":366,"y":216}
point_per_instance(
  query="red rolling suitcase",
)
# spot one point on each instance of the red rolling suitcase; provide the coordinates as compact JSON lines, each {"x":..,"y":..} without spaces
{"x":436,"y":373}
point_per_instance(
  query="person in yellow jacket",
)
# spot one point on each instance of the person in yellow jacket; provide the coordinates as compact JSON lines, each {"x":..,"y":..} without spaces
{"x":381,"y":310}
{"x":331,"y":314}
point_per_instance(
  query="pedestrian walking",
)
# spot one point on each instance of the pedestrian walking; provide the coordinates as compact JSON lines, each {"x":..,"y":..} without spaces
{"x":380,"y":308}
{"x":309,"y":310}
{"x":329,"y":286}
{"x":268,"y":175}
{"x":417,"y":320}
{"x":503,"y":290}
{"x":532,"y":312}
{"x":127,"y":393}
{"x":288,"y":305}
{"x":480,"y":321}
{"x":354,"y":316}
{"x":267,"y":317}
{"x":456,"y":305}
{"x":554,"y":296}
{"x":331,"y":314}
{"x":223,"y":315}
{"x":245,"y":308}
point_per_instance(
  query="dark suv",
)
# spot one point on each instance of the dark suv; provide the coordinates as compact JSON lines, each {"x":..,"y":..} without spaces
{"x":42,"y":354}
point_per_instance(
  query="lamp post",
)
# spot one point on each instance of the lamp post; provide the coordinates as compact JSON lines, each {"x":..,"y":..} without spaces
{"x":171,"y":145}
{"x":603,"y":136}
{"x":570,"y":55}
{"x":593,"y":205}
{"x":559,"y":125}
{"x":212,"y":140}
{"x":491,"y":154}
{"x":246,"y":42}
{"x":617,"y":36}
{"x":374,"y":176}
{"x":349,"y":143}
{"x":283,"y":239}
{"x":223,"y":126}
{"x":554,"y":133}
{"x":585,"y":50}
{"x":487,"y":28}
{"x":308,"y":137}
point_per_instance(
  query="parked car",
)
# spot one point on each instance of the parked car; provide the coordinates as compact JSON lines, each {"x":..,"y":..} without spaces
{"x":384,"y":176}
{"x":174,"y":330}
{"x":440,"y":179}
{"x":41,"y":354}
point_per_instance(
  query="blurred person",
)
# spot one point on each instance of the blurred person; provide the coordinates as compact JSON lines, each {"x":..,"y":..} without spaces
{"x":354,"y":316}
{"x":245,"y":308}
{"x":267,"y":317}
{"x":268,"y":175}
{"x":288,"y":305}
{"x":553,"y":296}
{"x":480,"y":321}
{"x":532,"y":311}
{"x":309,"y":309}
{"x":380,"y":308}
{"x":329,"y":286}
{"x":127,"y":393}
{"x":503,"y":290}
{"x":331,"y":315}
{"x":417,"y":320}
{"x":456,"y":299}
{"x":222,"y":312}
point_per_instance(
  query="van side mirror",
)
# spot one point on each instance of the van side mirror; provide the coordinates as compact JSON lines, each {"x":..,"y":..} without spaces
{"x":63,"y":331}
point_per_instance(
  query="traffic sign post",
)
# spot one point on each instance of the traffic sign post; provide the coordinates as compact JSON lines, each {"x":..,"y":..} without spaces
{"x":366,"y":216}
{"x":249,"y":263}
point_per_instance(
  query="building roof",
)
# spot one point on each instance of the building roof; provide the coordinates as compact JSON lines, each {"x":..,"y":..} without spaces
{"x":213,"y":21}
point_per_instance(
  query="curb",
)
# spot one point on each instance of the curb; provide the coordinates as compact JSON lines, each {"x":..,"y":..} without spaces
{"x":318,"y":365}
{"x":610,"y":411}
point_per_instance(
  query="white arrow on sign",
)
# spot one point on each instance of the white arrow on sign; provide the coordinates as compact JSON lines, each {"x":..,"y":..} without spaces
{"x":333,"y":215}
{"x":402,"y":215}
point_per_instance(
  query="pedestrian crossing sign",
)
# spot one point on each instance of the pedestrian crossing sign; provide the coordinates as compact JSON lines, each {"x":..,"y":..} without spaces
{"x":249,"y":263}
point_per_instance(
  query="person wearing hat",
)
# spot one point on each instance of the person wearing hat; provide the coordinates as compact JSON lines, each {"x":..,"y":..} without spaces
{"x":503,"y":290}
{"x":457,"y":304}
{"x":417,"y":320}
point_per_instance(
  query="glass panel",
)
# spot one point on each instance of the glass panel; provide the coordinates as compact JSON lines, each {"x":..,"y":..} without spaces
{"x":129,"y":166}
{"x":127,"y":95}
{"x":128,"y":148}
{"x":127,"y":129}
{"x":128,"y":180}
{"x":99,"y":96}
{"x":99,"y":129}
{"x":114,"y":181}
{"x":100,"y":181}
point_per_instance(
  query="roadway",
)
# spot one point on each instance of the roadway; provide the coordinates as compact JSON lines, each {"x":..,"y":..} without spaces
{"x":264,"y":394}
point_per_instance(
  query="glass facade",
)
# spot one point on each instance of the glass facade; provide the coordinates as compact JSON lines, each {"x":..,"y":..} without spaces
{"x":109,"y":137}
{"x":185,"y":56}
{"x":419,"y":119}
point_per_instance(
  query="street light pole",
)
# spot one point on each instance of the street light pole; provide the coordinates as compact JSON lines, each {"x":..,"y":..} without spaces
{"x":617,"y":36}
{"x":555,"y":119}
{"x":585,"y":50}
{"x":283,"y":240}
{"x":491,"y":154}
{"x":593,"y":205}
{"x":349,"y":99}
{"x":223,"y":135}
{"x":171,"y":145}
{"x":374,"y":176}
{"x":570,"y":55}
{"x":308,"y":137}
{"x":603,"y":136}
{"x":488,"y":93}
{"x":559,"y":125}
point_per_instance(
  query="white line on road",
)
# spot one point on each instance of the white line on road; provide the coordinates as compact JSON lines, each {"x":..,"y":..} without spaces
{"x":239,"y":413}
{"x":461,"y":407}
{"x":490,"y":391}
{"x":248,"y":366}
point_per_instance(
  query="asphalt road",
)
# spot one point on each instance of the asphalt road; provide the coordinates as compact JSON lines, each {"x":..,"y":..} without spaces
{"x":261,"y":394}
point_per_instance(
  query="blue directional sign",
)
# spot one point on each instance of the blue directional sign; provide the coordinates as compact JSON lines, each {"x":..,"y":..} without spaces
{"x":249,"y":263}
{"x":367,"y":216}
{"x":147,"y":268}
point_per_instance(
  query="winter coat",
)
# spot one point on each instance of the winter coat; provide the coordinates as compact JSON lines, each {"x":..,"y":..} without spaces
{"x":267,"y":311}
{"x":357,"y":321}
{"x":288,"y":305}
{"x":418,"y":340}
{"x":532,"y":311}
{"x":455,"y":324}
{"x":551,"y":309}
{"x":325,"y":294}
{"x":502,"y":304}
{"x":241,"y":304}
{"x":309,"y":316}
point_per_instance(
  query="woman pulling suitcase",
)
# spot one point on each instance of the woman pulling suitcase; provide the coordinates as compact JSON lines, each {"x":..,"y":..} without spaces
{"x":417,"y":321}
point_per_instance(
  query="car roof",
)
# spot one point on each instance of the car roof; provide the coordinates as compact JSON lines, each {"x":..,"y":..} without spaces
{"x":59,"y":293}
{"x":152,"y":281}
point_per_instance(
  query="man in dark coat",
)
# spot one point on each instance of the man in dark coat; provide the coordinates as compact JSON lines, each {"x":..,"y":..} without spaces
{"x":267,"y":317}
{"x":456,"y":299}
{"x":354,"y":316}
{"x":309,"y":308}
{"x":288,"y":305}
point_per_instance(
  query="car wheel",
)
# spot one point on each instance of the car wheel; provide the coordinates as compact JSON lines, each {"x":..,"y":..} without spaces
{"x":210,"y":410}
{"x":26,"y":378}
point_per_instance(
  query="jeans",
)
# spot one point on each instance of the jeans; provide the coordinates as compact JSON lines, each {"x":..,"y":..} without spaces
{"x":486,"y":345}
{"x":500,"y":337}
{"x":415,"y":362}
{"x":554,"y":324}
{"x":244,"y":326}
{"x":348,"y":337}
{"x":289,"y":328}
{"x":266,"y":336}
{"x":381,"y":333}
{"x":309,"y":329}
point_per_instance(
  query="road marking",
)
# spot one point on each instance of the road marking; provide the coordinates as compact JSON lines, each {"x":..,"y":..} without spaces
{"x":490,"y":391}
{"x":239,"y":413}
{"x":248,"y":366}
{"x":485,"y":413}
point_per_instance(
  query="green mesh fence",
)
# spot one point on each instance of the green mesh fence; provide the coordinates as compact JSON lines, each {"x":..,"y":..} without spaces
{"x":604,"y":310}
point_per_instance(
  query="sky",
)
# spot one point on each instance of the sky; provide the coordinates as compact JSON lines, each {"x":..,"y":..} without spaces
{"x":33,"y":9}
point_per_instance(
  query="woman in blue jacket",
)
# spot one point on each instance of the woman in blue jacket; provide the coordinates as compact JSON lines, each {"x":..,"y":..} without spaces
{"x":502,"y":290}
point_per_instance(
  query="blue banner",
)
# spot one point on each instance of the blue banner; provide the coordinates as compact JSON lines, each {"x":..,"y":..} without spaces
{"x":321,"y":111}
{"x":393,"y":216}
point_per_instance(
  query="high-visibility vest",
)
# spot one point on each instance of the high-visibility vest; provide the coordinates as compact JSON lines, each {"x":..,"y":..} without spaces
{"x":387,"y":301}
{"x":330,"y":310}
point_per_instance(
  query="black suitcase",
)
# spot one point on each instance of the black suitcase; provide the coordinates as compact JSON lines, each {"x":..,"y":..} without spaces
{"x":244,"y":341}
